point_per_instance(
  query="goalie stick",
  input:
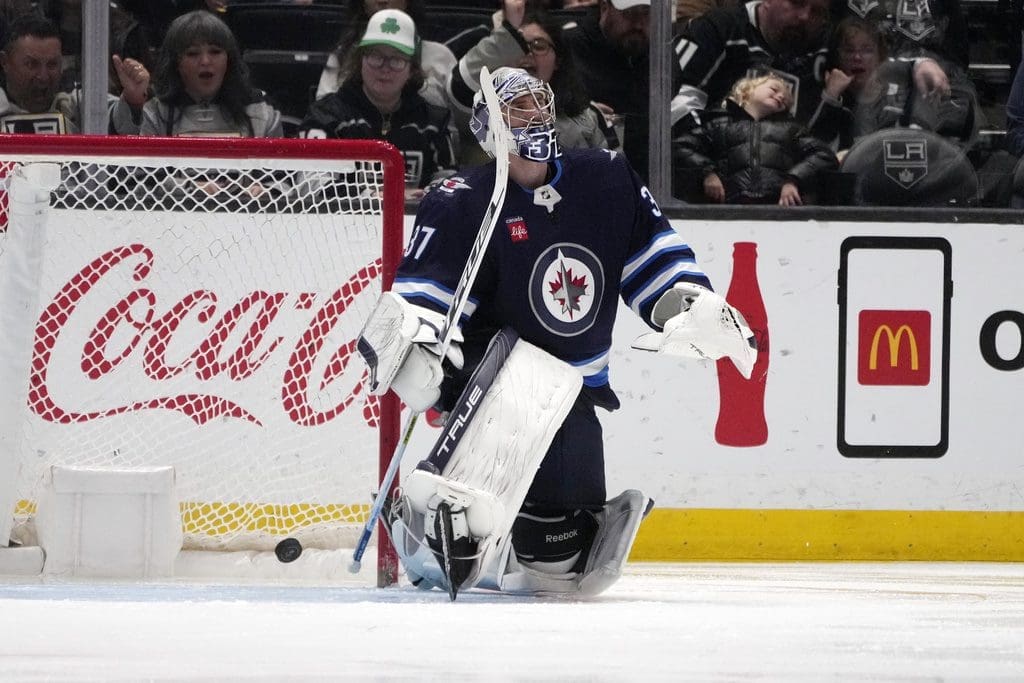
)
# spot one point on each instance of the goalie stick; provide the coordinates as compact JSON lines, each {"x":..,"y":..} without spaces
{"x":502,"y":147}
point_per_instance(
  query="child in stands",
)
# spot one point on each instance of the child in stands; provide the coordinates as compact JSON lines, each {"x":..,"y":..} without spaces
{"x":752,"y":150}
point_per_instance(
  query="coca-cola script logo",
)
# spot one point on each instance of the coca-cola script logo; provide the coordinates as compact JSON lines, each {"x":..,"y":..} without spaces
{"x":133,"y":326}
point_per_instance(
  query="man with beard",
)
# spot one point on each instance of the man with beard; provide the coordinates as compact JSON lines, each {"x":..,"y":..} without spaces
{"x":609,"y":47}
{"x":31,"y":100}
{"x":786,"y":37}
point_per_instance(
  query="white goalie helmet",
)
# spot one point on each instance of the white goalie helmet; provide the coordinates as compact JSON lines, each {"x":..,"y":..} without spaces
{"x":528,"y":110}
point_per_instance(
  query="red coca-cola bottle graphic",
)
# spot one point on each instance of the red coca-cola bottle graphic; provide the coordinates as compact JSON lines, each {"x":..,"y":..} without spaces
{"x":741,"y":401}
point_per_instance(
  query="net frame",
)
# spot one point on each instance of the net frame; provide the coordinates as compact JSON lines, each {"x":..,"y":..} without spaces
{"x":268,"y":152}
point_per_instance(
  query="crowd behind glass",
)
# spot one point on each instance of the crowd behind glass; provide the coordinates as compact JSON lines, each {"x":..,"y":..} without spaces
{"x":788,"y":102}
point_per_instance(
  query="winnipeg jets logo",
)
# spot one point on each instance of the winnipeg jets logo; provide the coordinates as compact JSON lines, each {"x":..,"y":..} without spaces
{"x":566,"y":286}
{"x":567,"y":289}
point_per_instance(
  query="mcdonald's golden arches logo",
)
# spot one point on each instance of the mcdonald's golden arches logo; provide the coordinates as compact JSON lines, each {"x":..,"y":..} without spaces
{"x":894,"y":347}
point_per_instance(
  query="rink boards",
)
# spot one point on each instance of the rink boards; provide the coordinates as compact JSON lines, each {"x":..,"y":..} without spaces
{"x":891,"y":431}
{"x":924,"y":459}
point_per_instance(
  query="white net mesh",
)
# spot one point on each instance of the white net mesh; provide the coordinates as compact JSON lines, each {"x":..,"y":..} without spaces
{"x":200,"y":313}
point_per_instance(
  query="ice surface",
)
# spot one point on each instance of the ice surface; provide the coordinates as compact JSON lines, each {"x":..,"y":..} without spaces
{"x":681,"y":622}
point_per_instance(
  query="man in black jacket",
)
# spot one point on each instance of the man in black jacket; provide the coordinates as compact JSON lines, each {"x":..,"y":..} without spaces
{"x":786,"y":37}
{"x":610,"y":49}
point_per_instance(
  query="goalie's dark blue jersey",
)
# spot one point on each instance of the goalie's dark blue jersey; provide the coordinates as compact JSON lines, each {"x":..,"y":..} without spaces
{"x":554,"y":277}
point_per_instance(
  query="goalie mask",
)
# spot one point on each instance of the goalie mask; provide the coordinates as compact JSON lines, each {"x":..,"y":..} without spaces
{"x":528,"y":110}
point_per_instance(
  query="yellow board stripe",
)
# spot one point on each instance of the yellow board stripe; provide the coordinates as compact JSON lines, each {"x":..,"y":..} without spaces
{"x":673,"y":535}
{"x":709,"y":534}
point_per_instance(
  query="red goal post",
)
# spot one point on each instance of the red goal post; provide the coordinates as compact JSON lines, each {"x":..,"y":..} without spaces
{"x":195,"y":303}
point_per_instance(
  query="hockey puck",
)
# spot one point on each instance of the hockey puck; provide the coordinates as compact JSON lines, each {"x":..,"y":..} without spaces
{"x":288,"y":550}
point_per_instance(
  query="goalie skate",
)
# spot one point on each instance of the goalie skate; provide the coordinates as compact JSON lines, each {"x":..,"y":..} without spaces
{"x":456,"y":550}
{"x":432,"y":559}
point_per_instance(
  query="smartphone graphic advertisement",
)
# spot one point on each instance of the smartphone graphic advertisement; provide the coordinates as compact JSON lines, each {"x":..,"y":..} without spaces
{"x":894,"y":304}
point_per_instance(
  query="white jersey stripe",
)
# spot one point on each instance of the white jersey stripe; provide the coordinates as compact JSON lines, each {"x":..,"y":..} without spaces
{"x":442,"y":296}
{"x":664,"y":240}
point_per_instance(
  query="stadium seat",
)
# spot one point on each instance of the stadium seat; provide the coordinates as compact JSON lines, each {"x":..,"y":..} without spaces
{"x":910,"y":167}
{"x":445,"y":21}
{"x":285,"y":47}
{"x":288,"y":77}
{"x":286,"y":26}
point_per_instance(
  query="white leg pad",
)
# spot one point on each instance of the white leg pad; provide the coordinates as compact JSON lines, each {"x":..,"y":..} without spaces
{"x":496,"y":450}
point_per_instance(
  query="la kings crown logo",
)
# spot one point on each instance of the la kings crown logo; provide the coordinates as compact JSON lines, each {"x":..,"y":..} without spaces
{"x":906,"y":161}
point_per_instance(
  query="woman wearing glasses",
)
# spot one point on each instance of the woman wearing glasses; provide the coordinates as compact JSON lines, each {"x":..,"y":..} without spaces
{"x":436,"y":59}
{"x":380,"y":100}
{"x":532,"y":42}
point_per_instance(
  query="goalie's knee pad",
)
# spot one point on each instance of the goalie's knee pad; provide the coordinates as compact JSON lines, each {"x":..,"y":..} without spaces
{"x":554,"y":542}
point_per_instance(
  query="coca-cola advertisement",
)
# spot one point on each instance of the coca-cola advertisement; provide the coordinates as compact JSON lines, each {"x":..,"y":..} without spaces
{"x":220,"y":344}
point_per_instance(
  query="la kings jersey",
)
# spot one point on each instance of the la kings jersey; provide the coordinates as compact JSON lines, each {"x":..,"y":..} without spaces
{"x":717,"y":49}
{"x":554,"y":277}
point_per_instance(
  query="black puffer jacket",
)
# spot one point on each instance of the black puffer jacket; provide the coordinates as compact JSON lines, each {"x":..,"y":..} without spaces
{"x":753,"y":158}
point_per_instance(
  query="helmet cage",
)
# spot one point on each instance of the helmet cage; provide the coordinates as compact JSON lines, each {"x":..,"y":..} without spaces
{"x":528,"y":112}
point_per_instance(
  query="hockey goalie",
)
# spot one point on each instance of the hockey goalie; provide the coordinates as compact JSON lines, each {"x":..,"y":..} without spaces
{"x":512,"y":496}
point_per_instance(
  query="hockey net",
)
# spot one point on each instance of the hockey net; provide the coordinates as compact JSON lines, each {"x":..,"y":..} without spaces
{"x":195,"y":303}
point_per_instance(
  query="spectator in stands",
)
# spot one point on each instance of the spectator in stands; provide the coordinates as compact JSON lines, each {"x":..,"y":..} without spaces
{"x":460,"y":43}
{"x":1002,"y":174}
{"x":786,"y":37}
{"x":127,"y":38}
{"x":609,"y":46}
{"x":202,"y":85}
{"x":203,"y":90}
{"x":865,"y":92}
{"x":436,"y":60}
{"x":752,"y":151}
{"x":381,"y":100}
{"x":533,"y":42}
{"x":32,"y":101}
{"x":935,"y":30}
